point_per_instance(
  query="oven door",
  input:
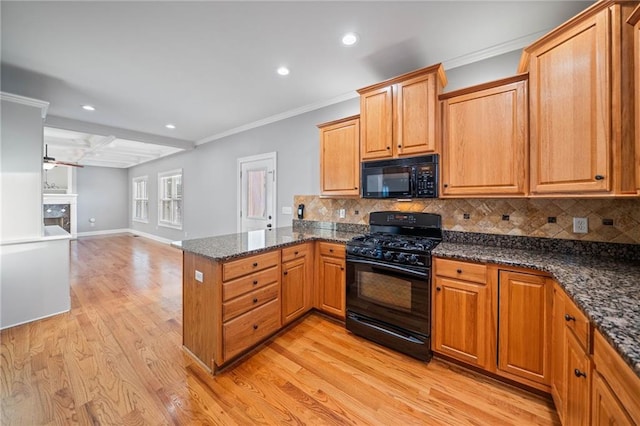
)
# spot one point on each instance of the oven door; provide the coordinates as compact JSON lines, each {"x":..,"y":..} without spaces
{"x":387,"y":182}
{"x":389,"y":294}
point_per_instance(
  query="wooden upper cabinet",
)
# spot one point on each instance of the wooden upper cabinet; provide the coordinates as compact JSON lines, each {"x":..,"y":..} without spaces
{"x":399,"y":117}
{"x":340,"y":157}
{"x":634,"y":20}
{"x":580,"y":78}
{"x":485,"y":139}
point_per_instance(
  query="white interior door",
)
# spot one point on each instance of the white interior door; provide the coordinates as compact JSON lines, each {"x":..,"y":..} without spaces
{"x":257,"y":192}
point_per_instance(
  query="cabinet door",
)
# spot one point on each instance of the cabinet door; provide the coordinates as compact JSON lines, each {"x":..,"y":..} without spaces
{"x":578,"y":383}
{"x":376,"y":119}
{"x":340,"y":158}
{"x":524,"y":326}
{"x":416,"y":109}
{"x":460,"y":320}
{"x":606,"y":410}
{"x":570,"y":110}
{"x":635,"y":20}
{"x":485,"y":137}
{"x":332,"y":290}
{"x":294,"y":289}
{"x":199,"y":308}
{"x":558,"y":337}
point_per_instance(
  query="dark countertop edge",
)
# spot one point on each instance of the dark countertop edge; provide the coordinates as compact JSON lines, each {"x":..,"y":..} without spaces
{"x":488,"y":258}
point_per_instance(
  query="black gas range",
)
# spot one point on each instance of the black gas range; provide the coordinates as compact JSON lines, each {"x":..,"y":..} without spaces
{"x":389,"y":280}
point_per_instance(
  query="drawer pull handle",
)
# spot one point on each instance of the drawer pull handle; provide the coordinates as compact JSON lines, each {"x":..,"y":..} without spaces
{"x":285,"y":272}
{"x":295,"y":253}
{"x":255,"y":326}
{"x":255,"y":264}
{"x":255,"y":300}
{"x":255,"y":282}
{"x":568,"y":317}
{"x":599,"y":177}
{"x":579,"y":373}
{"x":459,"y":271}
{"x":438,"y":288}
{"x":330,"y":250}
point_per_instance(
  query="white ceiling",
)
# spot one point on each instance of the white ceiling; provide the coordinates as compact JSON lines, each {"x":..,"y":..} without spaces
{"x":209,"y":67}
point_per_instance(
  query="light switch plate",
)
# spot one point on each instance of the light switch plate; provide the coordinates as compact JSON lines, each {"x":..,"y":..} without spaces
{"x":342,"y":213}
{"x":199,"y":276}
{"x":286,"y":210}
{"x":580,"y":225}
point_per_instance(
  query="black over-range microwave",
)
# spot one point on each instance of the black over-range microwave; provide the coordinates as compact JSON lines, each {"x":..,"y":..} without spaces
{"x":415,"y":177}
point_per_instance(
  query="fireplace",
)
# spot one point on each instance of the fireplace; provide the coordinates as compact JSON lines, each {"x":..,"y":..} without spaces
{"x":61,"y":210}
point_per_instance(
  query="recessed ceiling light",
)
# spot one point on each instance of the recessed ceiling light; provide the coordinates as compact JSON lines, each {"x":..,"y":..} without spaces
{"x":88,"y":108}
{"x":283,"y":71}
{"x":170,"y":126}
{"x":349,"y":39}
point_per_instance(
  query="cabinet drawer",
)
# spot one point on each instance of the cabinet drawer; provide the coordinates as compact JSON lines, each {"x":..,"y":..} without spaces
{"x":248,"y":329}
{"x":576,"y":321}
{"x":474,"y":272}
{"x":245,"y":303}
{"x":295,"y":252}
{"x":238,"y":268}
{"x":251,"y":282}
{"x":332,"y":249}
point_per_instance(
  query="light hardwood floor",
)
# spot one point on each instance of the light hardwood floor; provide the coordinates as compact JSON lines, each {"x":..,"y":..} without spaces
{"x":116,"y":358}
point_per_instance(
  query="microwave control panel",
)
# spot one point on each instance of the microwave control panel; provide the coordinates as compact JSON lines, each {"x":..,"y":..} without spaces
{"x":426,"y":183}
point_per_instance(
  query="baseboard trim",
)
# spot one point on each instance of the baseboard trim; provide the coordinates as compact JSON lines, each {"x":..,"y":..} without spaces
{"x":105,"y":232}
{"x":126,"y":231}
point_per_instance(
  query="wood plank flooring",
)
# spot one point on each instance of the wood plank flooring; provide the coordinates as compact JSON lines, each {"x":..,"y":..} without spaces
{"x":116,"y":359}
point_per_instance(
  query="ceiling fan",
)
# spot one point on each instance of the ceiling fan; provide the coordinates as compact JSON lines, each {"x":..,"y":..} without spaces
{"x":49,"y":163}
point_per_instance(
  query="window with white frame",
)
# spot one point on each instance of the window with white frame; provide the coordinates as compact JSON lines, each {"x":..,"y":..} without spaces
{"x":170,"y":199}
{"x":140,"y":199}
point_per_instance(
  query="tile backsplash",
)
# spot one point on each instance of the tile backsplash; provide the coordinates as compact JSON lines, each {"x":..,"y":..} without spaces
{"x":548,"y":217}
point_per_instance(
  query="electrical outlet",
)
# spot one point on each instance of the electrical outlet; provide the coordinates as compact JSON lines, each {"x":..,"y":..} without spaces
{"x":580,"y":225}
{"x":342,"y":213}
{"x":286,"y":210}
{"x":199,"y":276}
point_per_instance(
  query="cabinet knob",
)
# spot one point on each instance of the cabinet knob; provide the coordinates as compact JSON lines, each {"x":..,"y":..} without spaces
{"x":255,"y":300}
{"x":255,"y":264}
{"x":255,"y":282}
{"x":599,"y":177}
{"x":388,"y":147}
{"x":355,"y":187}
{"x":285,"y":272}
{"x":459,"y":271}
{"x":579,"y":373}
{"x":399,"y":146}
{"x":295,"y":253}
{"x":446,"y":185}
{"x":438,"y":288}
{"x":568,"y":317}
{"x":341,"y":268}
{"x":330,"y":250}
{"x":255,"y":326}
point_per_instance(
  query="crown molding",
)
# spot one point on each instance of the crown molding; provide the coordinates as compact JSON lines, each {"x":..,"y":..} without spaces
{"x":10,"y":97}
{"x":279,"y":117}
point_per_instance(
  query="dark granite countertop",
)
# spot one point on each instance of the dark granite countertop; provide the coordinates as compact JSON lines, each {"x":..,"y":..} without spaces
{"x":606,"y":290}
{"x":226,"y":247}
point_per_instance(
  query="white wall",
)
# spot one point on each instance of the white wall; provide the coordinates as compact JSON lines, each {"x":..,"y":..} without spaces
{"x":103,"y":194}
{"x":210,"y":172}
{"x":21,"y":162}
{"x":501,"y":66}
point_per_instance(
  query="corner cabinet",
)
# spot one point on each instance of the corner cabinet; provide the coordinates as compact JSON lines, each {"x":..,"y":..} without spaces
{"x":340,"y":157}
{"x":580,"y":78}
{"x":399,"y":117}
{"x":331,"y":279}
{"x":297,"y":280}
{"x":485,"y":139}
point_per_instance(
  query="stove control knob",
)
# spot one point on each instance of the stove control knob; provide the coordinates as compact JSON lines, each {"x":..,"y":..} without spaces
{"x":364,"y":252}
{"x":402,"y":257}
{"x":354,"y":250}
{"x":388,"y":255}
{"x":413,"y":258}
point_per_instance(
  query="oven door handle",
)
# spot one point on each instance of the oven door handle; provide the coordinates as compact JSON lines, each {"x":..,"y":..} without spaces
{"x":392,"y":268}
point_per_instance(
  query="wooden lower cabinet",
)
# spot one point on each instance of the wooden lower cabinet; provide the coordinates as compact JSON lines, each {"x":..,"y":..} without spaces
{"x":577,"y":382}
{"x":606,"y":409}
{"x":297,"y":280}
{"x":330,"y":279}
{"x":460,"y":313}
{"x":558,"y":338}
{"x":524,"y":331}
